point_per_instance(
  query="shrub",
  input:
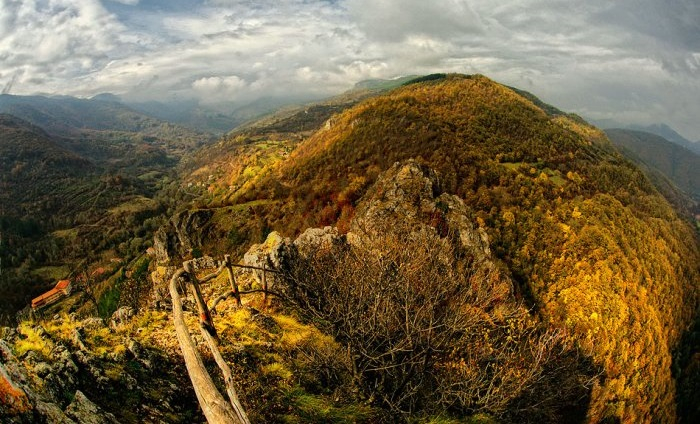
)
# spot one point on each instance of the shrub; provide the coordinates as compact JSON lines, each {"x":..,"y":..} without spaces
{"x":429,"y":329}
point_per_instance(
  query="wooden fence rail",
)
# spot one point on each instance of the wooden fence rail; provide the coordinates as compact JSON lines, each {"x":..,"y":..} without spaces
{"x":216,"y":409}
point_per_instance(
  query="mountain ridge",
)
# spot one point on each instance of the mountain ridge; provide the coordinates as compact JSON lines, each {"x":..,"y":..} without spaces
{"x":679,"y":164}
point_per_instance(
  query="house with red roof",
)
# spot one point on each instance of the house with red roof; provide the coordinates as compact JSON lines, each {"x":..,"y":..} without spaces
{"x":61,"y":290}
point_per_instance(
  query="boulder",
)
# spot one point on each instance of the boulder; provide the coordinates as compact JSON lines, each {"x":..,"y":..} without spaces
{"x":121,"y":316}
{"x":84,"y":411}
{"x":269,"y":254}
{"x":314,"y":239}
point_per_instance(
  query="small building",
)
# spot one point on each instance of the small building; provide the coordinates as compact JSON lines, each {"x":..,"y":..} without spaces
{"x":61,"y":290}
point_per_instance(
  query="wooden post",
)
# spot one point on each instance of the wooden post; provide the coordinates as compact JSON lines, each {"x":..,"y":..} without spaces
{"x":232,"y":280}
{"x":204,"y":315}
{"x":264,"y":283}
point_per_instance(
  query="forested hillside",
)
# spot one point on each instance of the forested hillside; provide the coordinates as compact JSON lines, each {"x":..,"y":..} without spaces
{"x":592,"y":245}
{"x":83,"y":193}
{"x":680,"y":165}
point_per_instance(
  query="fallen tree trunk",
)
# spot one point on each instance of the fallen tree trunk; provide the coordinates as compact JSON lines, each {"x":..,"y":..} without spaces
{"x":216,"y":409}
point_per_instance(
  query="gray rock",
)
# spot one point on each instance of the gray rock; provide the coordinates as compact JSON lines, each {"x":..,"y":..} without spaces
{"x":52,"y":413}
{"x":269,"y":254}
{"x":314,"y":239}
{"x":92,"y":322}
{"x":79,"y":339}
{"x":181,"y":234}
{"x":140,"y":354}
{"x":84,"y":411}
{"x":121,"y":316}
{"x":42,"y":369}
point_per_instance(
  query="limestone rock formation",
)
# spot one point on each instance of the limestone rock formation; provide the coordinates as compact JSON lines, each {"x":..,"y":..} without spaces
{"x":56,"y":375}
{"x":183,"y":232}
{"x":406,"y":199}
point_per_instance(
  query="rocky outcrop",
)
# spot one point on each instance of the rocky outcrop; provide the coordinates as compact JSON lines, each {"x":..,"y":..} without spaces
{"x":183,"y":232}
{"x":58,"y":376}
{"x":408,"y":198}
{"x":269,"y":254}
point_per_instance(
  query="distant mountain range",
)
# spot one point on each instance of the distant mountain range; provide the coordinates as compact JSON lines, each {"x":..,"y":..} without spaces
{"x":669,"y":134}
{"x":680,"y":164}
{"x":660,"y":129}
{"x":67,"y":116}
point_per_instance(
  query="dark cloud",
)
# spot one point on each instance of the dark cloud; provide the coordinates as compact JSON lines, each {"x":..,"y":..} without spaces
{"x":635,"y":61}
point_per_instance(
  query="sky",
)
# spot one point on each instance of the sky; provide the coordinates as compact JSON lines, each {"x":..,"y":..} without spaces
{"x":629,"y":61}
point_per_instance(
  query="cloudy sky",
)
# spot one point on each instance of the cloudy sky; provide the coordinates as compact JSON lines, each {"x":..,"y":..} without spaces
{"x":633,"y":61}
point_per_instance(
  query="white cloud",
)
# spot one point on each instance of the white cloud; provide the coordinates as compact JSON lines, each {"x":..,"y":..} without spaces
{"x":217,"y":89}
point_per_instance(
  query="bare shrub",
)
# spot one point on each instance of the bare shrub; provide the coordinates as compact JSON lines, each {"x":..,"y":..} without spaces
{"x":427,"y":327}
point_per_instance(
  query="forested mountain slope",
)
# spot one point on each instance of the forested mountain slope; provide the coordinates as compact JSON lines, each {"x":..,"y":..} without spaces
{"x":33,"y":165}
{"x":79,"y":178}
{"x":680,"y":165}
{"x":593,"y":246}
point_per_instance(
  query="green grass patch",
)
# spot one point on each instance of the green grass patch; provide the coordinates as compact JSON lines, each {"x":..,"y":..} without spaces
{"x":52,"y":272}
{"x":68,"y":234}
{"x":150,"y":176}
{"x":135,"y":205}
{"x":309,"y":408}
{"x":557,"y":180}
{"x":30,"y":340}
{"x":514,"y":166}
{"x":444,"y":419}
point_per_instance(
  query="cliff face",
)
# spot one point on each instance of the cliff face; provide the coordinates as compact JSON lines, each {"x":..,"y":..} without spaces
{"x":183,"y":232}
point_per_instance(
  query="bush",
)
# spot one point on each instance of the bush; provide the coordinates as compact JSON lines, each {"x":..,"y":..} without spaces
{"x":429,"y":329}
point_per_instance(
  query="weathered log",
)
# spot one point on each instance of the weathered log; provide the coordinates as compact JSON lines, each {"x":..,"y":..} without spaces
{"x":215,"y":408}
{"x":228,"y":376}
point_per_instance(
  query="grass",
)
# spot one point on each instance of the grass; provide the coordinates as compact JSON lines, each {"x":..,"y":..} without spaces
{"x":443,"y":419}
{"x":135,"y":205}
{"x":295,"y":333}
{"x":309,"y":408}
{"x":51,"y":272}
{"x":149,"y":176}
{"x":31,"y":341}
{"x":68,"y":234}
{"x":514,"y":166}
